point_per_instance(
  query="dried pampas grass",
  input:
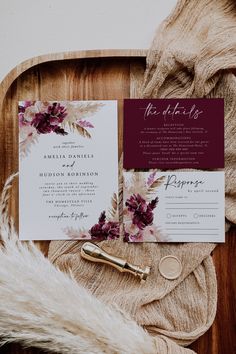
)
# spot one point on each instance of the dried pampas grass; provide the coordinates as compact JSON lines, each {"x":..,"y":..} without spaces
{"x":43,"y":307}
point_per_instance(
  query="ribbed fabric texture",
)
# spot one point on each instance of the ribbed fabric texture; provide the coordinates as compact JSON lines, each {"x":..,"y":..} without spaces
{"x":192,"y":55}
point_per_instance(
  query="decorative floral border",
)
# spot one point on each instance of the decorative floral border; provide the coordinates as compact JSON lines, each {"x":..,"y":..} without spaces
{"x":37,"y":117}
{"x":107,"y":227}
{"x":140,"y":200}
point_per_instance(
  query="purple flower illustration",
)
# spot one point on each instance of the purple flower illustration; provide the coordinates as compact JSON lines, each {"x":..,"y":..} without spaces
{"x":151,"y":178}
{"x":137,"y":237}
{"x":141,"y":210}
{"x":84,"y":124}
{"x":104,"y":230}
{"x":22,"y":121}
{"x":25,"y":104}
{"x":21,"y":113}
{"x":126,"y":237}
{"x":49,"y":121}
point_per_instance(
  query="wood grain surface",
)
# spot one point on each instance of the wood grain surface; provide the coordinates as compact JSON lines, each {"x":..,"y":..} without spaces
{"x":109,"y":74}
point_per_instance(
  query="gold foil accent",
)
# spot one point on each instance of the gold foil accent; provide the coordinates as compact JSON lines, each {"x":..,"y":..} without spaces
{"x":93,"y":253}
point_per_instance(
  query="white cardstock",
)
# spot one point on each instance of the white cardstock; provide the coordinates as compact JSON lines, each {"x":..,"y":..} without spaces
{"x":174,"y":206}
{"x":68,"y":183}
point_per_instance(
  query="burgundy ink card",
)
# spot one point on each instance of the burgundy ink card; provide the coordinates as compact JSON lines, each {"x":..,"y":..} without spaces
{"x":174,"y":133}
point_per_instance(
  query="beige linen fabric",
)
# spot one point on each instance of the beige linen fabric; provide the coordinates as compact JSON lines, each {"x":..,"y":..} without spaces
{"x":192,"y":55}
{"x":180,"y":309}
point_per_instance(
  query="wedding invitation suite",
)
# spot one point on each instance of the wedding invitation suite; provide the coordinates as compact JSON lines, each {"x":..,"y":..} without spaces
{"x":68,"y":166}
{"x":173,"y":133}
{"x":169,"y":135}
{"x":68,"y":157}
{"x":173,"y":206}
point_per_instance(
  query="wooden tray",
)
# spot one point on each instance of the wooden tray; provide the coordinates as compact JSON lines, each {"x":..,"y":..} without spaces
{"x":100,"y":74}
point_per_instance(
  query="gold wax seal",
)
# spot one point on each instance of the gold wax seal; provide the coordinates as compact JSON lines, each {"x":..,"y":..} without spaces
{"x":170,"y":267}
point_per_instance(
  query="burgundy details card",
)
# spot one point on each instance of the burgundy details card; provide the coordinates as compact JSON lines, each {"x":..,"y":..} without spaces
{"x":174,"y":133}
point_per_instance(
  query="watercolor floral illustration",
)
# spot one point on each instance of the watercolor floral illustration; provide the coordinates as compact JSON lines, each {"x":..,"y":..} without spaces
{"x":37,"y":117}
{"x":140,"y":201}
{"x":107,"y":227}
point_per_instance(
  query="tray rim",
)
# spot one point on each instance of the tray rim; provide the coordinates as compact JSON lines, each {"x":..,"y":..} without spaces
{"x":81,"y":54}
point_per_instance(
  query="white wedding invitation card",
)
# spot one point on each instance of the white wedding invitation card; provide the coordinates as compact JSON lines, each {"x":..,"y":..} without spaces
{"x":174,"y":206}
{"x":68,"y":168}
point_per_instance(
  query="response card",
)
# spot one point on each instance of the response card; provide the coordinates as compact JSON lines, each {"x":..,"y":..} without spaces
{"x":68,"y":170}
{"x":174,"y":206}
{"x":173,"y":133}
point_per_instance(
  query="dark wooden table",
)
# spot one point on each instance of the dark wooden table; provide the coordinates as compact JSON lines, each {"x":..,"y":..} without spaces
{"x":114,"y":75}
